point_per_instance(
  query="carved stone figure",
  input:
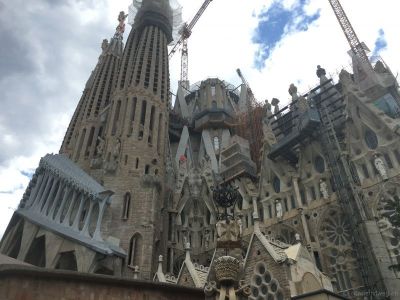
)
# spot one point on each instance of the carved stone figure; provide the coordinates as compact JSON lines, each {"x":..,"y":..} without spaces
{"x":293,"y":91}
{"x":100,"y":146}
{"x":323,"y":187}
{"x":228,"y":231}
{"x":119,"y":31}
{"x":104,"y":44}
{"x":275,"y":104}
{"x":278,"y":209}
{"x":380,"y":166}
{"x":267,"y":112}
{"x":117,"y":149}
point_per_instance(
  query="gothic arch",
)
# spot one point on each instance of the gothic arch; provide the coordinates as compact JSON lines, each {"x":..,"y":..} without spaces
{"x":67,"y":261}
{"x":338,"y":257}
{"x":37,"y":252}
{"x":135,"y":250}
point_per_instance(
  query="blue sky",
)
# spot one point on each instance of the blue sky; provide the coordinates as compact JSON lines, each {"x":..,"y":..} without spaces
{"x":275,"y":22}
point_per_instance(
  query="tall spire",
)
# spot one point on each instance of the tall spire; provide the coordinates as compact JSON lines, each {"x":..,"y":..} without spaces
{"x":80,"y":139}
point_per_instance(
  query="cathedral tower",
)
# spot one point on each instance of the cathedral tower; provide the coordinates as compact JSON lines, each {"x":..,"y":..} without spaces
{"x":129,"y":157}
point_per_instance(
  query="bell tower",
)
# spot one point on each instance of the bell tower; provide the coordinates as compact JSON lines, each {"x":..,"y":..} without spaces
{"x":130,"y":160}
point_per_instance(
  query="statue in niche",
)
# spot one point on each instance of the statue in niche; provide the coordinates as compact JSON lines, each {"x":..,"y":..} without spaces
{"x":323,"y":187}
{"x":278,"y":209}
{"x":380,"y":166}
{"x":117,"y":149}
{"x":297,"y":237}
{"x":100,"y":147}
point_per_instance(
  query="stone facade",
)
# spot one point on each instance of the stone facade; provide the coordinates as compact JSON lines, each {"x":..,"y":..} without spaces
{"x":135,"y":177}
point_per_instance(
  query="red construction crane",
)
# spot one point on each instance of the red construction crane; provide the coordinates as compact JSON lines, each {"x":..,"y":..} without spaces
{"x":185,"y":33}
{"x":349,"y":32}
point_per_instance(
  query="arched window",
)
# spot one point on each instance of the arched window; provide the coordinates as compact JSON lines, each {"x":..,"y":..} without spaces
{"x":126,"y":206}
{"x":135,"y":250}
{"x":371,"y":139}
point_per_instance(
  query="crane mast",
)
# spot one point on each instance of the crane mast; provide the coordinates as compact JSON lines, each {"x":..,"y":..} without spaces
{"x":349,"y":32}
{"x":185,"y":32}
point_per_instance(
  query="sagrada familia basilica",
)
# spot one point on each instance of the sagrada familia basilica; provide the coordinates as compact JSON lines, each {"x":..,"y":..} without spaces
{"x":212,"y":193}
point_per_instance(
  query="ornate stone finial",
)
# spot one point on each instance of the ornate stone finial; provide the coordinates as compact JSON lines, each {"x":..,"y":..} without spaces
{"x":119,"y":31}
{"x":227,"y":269}
{"x":160,"y":259}
{"x":320,"y":71}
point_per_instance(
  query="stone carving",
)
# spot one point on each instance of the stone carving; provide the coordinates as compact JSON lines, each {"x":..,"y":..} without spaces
{"x":117,"y":149}
{"x":278,"y":209}
{"x":323,"y":187}
{"x":320,"y":71}
{"x":229,"y":287}
{"x":275,"y":104}
{"x":227,"y":268}
{"x":345,"y":78}
{"x":119,"y":31}
{"x":100,"y":147}
{"x":104,"y":44}
{"x":267,"y":112}
{"x":380,"y":166}
{"x":228,"y":231}
{"x":293,"y":91}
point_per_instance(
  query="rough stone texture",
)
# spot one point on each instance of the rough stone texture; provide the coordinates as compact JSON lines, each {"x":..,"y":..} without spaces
{"x":25,"y":283}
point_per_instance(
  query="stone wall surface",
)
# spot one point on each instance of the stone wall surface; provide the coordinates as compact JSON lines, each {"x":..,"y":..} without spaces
{"x":30,"y":283}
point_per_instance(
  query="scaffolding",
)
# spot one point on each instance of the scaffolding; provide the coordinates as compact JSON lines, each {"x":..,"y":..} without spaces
{"x":327,"y":111}
{"x":248,"y":125}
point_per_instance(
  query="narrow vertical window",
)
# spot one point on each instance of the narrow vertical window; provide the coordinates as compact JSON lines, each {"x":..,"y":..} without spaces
{"x":135,"y":250}
{"x":132,"y":116}
{"x":78,"y":153}
{"x":116,"y":118}
{"x":142,"y":119}
{"x":159,"y":134}
{"x":89,"y":142}
{"x":137,"y":163}
{"x":126,"y":206}
{"x":151,"y":125}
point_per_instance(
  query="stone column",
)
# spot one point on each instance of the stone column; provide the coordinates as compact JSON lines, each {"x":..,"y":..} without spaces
{"x":295,"y":179}
{"x":48,"y":199}
{"x":35,"y":191}
{"x":156,"y":130}
{"x":42,"y":187}
{"x":61,"y":186}
{"x":75,"y":225}
{"x":71,"y":205}
{"x":85,"y":228}
{"x":44,"y":195}
{"x":97,"y":232}
{"x":63,"y":202}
